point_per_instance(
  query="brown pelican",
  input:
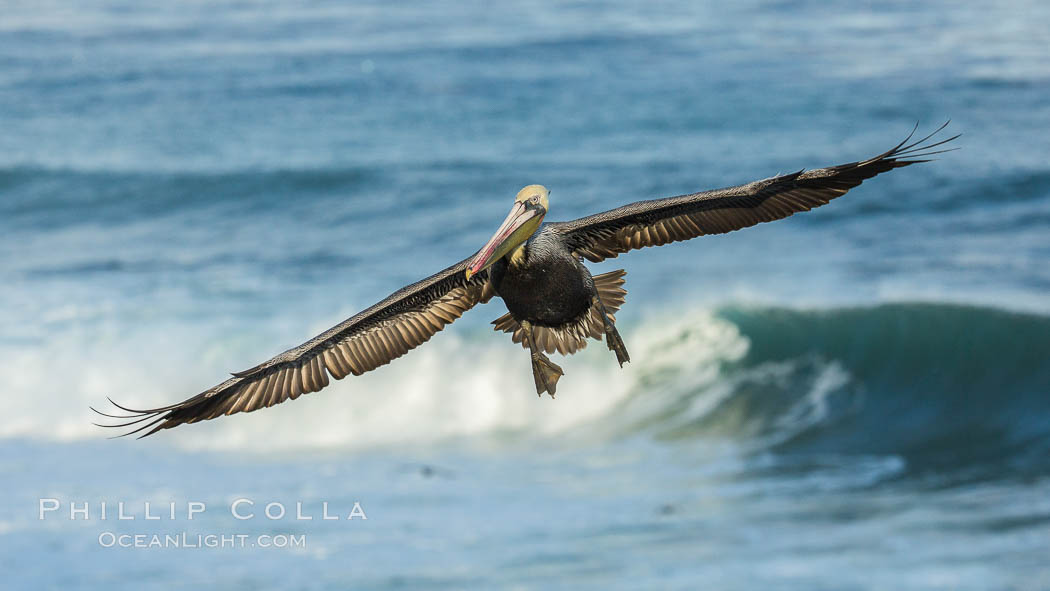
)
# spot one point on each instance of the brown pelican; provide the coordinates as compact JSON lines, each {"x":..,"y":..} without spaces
{"x":553,"y":302}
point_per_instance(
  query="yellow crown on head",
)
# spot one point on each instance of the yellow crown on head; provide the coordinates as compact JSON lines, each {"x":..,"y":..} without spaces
{"x":534,"y":190}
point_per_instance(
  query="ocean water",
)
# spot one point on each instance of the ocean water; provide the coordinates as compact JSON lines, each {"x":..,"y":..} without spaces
{"x":854,"y":398}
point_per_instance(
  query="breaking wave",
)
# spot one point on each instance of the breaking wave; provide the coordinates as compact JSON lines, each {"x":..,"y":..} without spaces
{"x":933,"y":384}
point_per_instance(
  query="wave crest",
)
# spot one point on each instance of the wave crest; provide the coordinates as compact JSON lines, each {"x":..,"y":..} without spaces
{"x":931,"y":383}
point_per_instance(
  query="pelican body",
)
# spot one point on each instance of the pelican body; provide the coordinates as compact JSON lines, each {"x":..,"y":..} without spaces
{"x":552,"y":300}
{"x":537,"y":269}
{"x":546,"y":285}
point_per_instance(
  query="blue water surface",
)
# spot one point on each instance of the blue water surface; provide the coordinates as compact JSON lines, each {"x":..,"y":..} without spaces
{"x":853,"y":398}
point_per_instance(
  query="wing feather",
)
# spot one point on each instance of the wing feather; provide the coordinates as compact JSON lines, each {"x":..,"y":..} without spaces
{"x":662,"y":221}
{"x":375,"y":337}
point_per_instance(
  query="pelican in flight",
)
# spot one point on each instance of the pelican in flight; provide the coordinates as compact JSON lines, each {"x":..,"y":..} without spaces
{"x":553,"y":302}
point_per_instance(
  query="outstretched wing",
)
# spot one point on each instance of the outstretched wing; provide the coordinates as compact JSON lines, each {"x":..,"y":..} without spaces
{"x":362,"y":343}
{"x":661,"y":221}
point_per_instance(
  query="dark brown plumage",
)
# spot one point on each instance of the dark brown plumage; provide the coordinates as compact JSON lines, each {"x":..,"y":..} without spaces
{"x":554,"y":304}
{"x":653,"y":223}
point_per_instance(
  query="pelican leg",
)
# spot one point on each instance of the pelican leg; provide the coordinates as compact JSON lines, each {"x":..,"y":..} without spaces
{"x":544,"y":371}
{"x":612,"y":336}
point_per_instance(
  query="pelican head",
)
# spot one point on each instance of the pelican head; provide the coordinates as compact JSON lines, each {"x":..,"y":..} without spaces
{"x":530,"y":205}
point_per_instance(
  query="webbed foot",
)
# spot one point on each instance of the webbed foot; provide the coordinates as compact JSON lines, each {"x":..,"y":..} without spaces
{"x":546,"y":374}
